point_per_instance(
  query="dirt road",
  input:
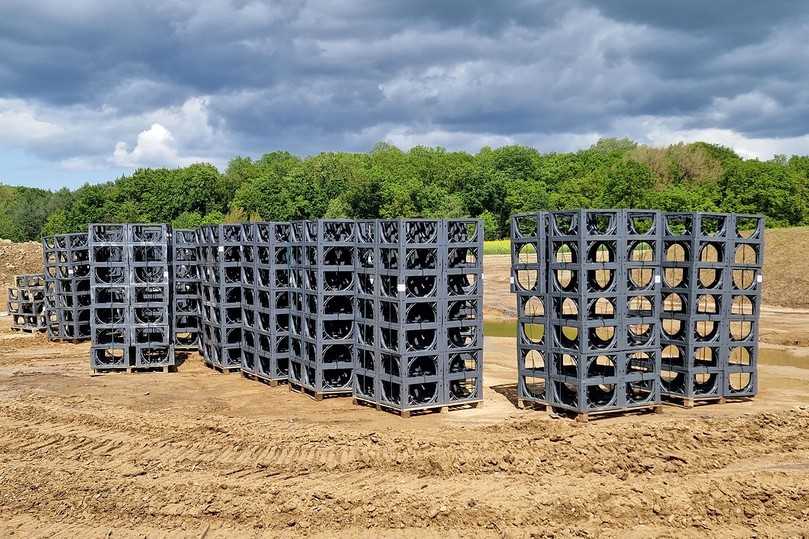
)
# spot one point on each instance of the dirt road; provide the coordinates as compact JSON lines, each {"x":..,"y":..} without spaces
{"x":197,"y":453}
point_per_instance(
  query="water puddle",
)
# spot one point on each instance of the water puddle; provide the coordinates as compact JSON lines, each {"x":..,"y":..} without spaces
{"x":767,"y":356}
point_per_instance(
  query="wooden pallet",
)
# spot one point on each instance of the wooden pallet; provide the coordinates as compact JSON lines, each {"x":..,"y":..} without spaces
{"x":222,"y":370}
{"x":584,"y":417}
{"x":28,"y":330}
{"x":691,"y":402}
{"x":268,"y":381}
{"x":132,"y":370}
{"x":316,"y":395}
{"x":419,"y":410}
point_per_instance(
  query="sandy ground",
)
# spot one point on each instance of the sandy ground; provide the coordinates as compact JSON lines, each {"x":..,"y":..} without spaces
{"x":197,"y":453}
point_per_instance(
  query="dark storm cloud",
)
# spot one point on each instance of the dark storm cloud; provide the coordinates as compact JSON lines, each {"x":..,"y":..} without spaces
{"x":340,"y":74}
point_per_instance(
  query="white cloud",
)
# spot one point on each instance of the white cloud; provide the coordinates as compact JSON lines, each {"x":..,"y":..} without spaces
{"x":155,"y":147}
{"x":21,"y":122}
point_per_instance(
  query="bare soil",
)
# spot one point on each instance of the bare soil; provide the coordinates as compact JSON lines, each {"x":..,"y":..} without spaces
{"x":197,"y":453}
{"x":18,"y":259}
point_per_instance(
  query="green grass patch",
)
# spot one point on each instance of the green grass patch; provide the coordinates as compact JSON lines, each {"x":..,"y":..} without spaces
{"x":497,"y":247}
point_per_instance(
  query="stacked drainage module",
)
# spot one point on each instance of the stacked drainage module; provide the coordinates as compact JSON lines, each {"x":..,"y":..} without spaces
{"x":322,"y":289}
{"x":66,"y":263}
{"x":26,"y":303}
{"x":186,"y":310}
{"x":265,"y":301}
{"x":588,"y":299}
{"x":418,"y":341}
{"x":131,"y":302}
{"x":220,"y":259}
{"x":711,"y":305}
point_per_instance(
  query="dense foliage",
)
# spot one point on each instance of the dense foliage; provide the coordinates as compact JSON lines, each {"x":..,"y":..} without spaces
{"x":429,"y":182}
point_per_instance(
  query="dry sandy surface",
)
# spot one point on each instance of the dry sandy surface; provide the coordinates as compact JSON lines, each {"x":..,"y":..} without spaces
{"x":197,"y":453}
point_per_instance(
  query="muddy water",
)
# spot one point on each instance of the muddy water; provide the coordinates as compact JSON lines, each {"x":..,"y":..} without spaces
{"x":767,"y":356}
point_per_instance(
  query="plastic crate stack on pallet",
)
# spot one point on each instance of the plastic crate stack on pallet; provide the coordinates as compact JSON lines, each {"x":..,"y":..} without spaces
{"x":220,"y":248}
{"x":26,"y":303}
{"x":418,"y":340}
{"x":186,"y":289}
{"x":67,"y":287}
{"x":529,"y":281}
{"x":151,"y":295}
{"x":711,"y":304}
{"x":600,"y":310}
{"x":131,"y":298}
{"x":110,"y":319}
{"x":322,"y":307}
{"x":265,"y":302}
{"x":66,"y":262}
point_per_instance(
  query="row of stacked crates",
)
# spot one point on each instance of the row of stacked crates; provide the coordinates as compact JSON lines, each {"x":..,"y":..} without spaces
{"x":419,"y":335}
{"x":26,"y":303}
{"x":387,"y":310}
{"x":712,"y":283}
{"x":131,"y":299}
{"x":588,"y":299}
{"x":66,"y":265}
{"x":593,"y":310}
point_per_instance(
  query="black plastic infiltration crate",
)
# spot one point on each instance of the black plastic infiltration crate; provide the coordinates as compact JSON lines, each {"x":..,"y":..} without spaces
{"x":220,"y":259}
{"x":711,"y":305}
{"x":26,"y":303}
{"x":322,"y":303}
{"x":588,"y":300}
{"x":66,"y":265}
{"x":265,"y":301}
{"x":419,"y":333}
{"x":131,"y":297}
{"x":186,"y":310}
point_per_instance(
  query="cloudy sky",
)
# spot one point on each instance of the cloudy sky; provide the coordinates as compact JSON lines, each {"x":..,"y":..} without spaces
{"x":91,"y":91}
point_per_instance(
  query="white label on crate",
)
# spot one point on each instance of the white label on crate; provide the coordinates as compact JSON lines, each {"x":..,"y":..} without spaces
{"x":166,"y":274}
{"x":511,"y":280}
{"x":657,"y":279}
{"x":70,"y":272}
{"x":401,"y":287}
{"x":221,"y":249}
{"x":482,"y":276}
{"x":759,"y":278}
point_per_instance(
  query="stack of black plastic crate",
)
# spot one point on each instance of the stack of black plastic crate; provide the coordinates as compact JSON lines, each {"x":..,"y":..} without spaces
{"x":26,"y":303}
{"x":220,"y":258}
{"x":529,"y":281}
{"x":151,"y":301}
{"x":322,"y":307}
{"x":66,"y":263}
{"x":186,"y":289}
{"x":265,"y":302}
{"x":711,"y":303}
{"x":418,"y":340}
{"x":130,"y":277}
{"x":598,"y":351}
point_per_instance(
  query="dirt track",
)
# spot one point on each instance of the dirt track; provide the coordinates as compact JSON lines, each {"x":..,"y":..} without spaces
{"x":200,"y":453}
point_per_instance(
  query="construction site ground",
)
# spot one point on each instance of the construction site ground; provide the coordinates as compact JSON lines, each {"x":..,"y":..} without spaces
{"x":198,"y":453}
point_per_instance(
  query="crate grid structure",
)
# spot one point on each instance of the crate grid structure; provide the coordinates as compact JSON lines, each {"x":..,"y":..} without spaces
{"x":186,"y":309}
{"x":711,"y":305}
{"x":151,"y":301}
{"x":66,"y":264}
{"x":130,"y":275}
{"x":588,"y":300}
{"x":26,"y":303}
{"x":322,"y":303}
{"x":220,"y":258}
{"x":418,"y":339}
{"x":266,"y":301}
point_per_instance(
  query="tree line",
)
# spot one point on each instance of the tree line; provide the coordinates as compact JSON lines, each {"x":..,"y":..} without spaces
{"x":424,"y":182}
